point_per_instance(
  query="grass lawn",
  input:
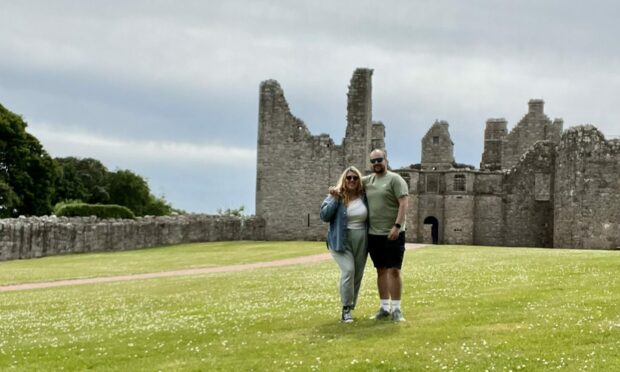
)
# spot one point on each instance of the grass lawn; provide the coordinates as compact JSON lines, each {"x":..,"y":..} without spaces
{"x":148,"y":260}
{"x":467,"y":309}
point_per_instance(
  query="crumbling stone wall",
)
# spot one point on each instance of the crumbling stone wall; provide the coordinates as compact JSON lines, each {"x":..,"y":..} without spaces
{"x":378,"y":136}
{"x":489,"y":209}
{"x":494,"y":137}
{"x":528,"y":211}
{"x":587,"y":190}
{"x":47,"y":236}
{"x":295,"y":168}
{"x":292,"y":167}
{"x":437,"y":147}
{"x":358,"y":137}
{"x":534,"y":187}
{"x":534,"y":126}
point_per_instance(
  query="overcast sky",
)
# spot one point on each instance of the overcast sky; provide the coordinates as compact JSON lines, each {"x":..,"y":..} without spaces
{"x":169,"y":89}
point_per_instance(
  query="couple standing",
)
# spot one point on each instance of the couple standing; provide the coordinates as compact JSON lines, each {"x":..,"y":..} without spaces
{"x":367,"y":215}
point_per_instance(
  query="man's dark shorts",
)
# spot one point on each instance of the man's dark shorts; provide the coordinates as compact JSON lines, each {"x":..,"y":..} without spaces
{"x":386,"y":253}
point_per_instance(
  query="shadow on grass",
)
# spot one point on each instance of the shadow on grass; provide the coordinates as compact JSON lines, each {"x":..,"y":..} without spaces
{"x":360,"y":328}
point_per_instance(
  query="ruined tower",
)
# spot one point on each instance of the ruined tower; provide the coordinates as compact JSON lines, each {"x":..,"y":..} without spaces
{"x":358,"y":138}
{"x":587,"y":190}
{"x":494,"y":135}
{"x":437,"y":147}
{"x":294,"y":168}
{"x":537,"y":187}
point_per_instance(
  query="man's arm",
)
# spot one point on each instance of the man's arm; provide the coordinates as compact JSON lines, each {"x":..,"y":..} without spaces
{"x":403,"y":205}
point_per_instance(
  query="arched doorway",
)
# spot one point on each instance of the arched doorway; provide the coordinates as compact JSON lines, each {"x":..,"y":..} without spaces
{"x":434,"y":228}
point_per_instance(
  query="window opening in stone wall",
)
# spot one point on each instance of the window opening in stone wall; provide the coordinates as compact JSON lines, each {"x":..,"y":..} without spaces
{"x":308,"y":219}
{"x":432,"y":183}
{"x":459,"y":182}
{"x":435,"y":140}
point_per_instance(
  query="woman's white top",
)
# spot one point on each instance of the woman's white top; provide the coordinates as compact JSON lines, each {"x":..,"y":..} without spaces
{"x":356,"y":215}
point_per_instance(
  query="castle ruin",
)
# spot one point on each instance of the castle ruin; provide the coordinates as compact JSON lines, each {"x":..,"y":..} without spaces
{"x":538,"y":185}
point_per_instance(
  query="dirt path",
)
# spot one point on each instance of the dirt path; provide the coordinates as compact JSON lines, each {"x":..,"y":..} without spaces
{"x":185,"y":272}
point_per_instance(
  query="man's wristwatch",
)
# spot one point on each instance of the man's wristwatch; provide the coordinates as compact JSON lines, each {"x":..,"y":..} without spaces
{"x":397,"y":225}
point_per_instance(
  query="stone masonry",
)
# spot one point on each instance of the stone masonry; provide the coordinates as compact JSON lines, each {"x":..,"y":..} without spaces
{"x":32,"y":237}
{"x":294,"y":168}
{"x":537,"y":186}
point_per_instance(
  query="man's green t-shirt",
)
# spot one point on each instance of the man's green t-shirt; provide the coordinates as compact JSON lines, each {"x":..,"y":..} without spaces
{"x":383,"y":194}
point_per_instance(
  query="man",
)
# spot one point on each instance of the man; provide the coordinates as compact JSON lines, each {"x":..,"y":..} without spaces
{"x":388,"y":200}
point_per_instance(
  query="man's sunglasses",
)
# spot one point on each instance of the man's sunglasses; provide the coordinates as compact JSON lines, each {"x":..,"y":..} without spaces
{"x":376,"y":160}
{"x":352,"y":178}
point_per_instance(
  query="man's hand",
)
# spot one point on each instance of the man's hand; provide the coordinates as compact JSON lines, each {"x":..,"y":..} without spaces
{"x":393,"y":235}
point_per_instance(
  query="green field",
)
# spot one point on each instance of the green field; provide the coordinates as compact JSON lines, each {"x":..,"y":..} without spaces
{"x":467,"y":309}
{"x":185,"y":256}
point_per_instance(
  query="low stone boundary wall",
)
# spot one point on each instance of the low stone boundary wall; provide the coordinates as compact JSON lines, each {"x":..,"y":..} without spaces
{"x":47,"y":236}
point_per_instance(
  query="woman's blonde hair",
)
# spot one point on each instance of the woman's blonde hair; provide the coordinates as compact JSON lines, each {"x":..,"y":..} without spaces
{"x":341,"y":186}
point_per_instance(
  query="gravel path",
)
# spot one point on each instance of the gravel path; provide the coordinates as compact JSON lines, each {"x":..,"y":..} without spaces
{"x":185,"y":272}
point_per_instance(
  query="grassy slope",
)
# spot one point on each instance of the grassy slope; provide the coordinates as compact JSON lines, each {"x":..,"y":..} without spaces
{"x":467,"y":309}
{"x":151,"y":260}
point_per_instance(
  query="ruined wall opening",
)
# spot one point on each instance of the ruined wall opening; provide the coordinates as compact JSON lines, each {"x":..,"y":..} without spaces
{"x":431,"y":230}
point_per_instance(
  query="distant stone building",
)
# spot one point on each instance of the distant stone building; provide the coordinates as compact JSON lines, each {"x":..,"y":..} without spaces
{"x":537,"y":186}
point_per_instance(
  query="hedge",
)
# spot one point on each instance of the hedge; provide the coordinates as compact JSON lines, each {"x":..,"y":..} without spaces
{"x":98,"y":210}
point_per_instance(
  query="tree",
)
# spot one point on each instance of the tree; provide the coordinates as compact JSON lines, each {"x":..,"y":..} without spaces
{"x":81,"y":179}
{"x":8,"y":200}
{"x":30,"y":179}
{"x":128,"y":189}
{"x":27,"y":172}
{"x":89,"y":181}
{"x":157,"y":206}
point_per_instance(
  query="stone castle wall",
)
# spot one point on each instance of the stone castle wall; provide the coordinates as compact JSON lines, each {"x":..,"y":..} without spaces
{"x":32,"y":237}
{"x":587,"y":190}
{"x":494,"y":134}
{"x":294,"y":168}
{"x":528,"y":210}
{"x":437,"y":147}
{"x":534,"y":126}
{"x":459,"y":208}
{"x":358,"y":136}
{"x":537,"y":185}
{"x":489,"y":209}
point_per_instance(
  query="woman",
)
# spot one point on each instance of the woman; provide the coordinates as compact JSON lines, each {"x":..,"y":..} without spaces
{"x":347,"y":215}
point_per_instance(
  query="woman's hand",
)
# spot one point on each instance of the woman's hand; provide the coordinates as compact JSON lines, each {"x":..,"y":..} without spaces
{"x":333,"y":191}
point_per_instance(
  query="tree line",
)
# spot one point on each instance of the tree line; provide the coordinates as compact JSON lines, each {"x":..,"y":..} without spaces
{"x":32,"y":182}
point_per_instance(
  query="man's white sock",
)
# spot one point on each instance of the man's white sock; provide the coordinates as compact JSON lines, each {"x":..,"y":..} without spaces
{"x":395,"y":304}
{"x":385,"y":304}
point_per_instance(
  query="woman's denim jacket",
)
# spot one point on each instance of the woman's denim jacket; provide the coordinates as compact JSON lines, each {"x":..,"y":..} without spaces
{"x":334,"y":211}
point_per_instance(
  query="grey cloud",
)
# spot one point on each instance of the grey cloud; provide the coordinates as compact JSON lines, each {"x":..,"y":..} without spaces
{"x":189,"y":71}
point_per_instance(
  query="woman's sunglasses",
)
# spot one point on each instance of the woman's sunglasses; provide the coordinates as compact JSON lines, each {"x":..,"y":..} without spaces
{"x":352,"y":178}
